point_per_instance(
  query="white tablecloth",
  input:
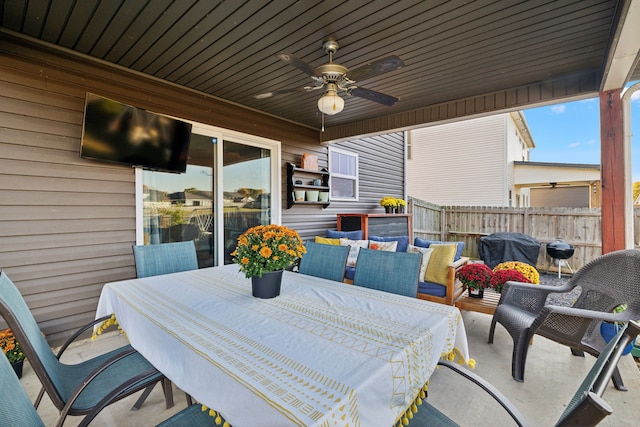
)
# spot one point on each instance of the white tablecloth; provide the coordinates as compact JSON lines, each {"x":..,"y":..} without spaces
{"x":322,"y":353}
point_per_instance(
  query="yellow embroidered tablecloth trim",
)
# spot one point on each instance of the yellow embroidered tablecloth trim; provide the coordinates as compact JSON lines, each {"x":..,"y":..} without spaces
{"x":106,"y":325}
{"x":457,"y":354}
{"x":413,"y":408}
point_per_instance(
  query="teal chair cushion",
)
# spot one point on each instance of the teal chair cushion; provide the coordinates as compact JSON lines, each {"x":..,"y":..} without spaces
{"x":165,"y":258}
{"x":395,"y":272}
{"x":326,"y":261}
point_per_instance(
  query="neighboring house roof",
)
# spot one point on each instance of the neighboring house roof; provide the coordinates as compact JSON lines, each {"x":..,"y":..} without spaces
{"x":523,"y":127}
{"x":535,"y":174}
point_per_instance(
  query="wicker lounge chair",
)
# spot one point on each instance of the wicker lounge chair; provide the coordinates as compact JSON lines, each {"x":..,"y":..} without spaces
{"x":606,"y":282}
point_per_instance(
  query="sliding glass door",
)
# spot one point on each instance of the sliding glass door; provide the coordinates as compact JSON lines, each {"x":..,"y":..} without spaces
{"x":180,"y":207}
{"x":247,"y":192}
{"x":228,"y":188}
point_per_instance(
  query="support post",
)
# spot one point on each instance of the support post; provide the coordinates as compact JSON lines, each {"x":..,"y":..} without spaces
{"x":612,"y":171}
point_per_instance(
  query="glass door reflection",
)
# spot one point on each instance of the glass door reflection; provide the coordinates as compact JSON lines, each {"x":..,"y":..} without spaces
{"x":179,"y":207}
{"x":247,"y":191}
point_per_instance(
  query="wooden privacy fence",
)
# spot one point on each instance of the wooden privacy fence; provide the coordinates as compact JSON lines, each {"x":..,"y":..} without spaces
{"x":578,"y":226}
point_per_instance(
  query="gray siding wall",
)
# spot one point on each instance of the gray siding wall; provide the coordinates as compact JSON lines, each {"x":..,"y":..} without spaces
{"x":381,"y":173}
{"x":67,"y":224}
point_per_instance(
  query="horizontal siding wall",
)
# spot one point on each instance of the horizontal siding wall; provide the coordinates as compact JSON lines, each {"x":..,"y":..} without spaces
{"x":381,"y":167}
{"x":66,"y":224}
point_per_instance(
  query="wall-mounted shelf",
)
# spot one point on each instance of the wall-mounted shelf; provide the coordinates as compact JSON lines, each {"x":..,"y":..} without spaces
{"x":299,"y":179}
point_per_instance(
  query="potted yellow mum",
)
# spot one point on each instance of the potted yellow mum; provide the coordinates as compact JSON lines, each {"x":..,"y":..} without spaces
{"x":263,"y":252}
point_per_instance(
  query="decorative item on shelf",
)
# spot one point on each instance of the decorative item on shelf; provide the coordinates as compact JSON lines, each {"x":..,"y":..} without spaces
{"x":317,"y":182}
{"x":11,"y":348}
{"x":401,"y":205}
{"x":299,"y":195}
{"x":390,"y":204}
{"x":264,"y":249}
{"x":608,"y":330}
{"x":309,"y":161}
{"x":476,"y":277}
{"x":312,"y":195}
{"x":323,"y":196}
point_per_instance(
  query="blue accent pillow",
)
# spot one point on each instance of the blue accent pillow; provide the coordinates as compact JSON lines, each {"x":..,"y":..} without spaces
{"x":424,"y":243}
{"x":403,"y":241}
{"x":351,"y":235}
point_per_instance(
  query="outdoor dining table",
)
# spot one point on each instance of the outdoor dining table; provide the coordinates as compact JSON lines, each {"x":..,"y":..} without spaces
{"x":322,"y":353}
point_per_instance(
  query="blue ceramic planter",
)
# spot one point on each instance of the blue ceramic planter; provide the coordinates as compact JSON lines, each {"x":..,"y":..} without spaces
{"x":609,"y":330}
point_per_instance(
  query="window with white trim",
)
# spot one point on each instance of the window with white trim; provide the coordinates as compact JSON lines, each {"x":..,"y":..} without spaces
{"x":343,"y":166}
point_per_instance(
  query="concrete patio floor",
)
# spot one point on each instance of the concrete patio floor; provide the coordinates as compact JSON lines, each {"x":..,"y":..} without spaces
{"x":552,"y":376}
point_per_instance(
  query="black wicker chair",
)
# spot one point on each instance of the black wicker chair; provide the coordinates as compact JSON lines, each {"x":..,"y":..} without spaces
{"x":606,"y":282}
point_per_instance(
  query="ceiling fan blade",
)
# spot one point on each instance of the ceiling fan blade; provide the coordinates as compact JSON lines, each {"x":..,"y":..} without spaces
{"x":374,"y":96}
{"x":375,"y":68}
{"x":299,"y":64}
{"x":280,"y":92}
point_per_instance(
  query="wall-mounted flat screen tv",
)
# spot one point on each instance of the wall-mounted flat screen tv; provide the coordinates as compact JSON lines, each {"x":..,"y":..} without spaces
{"x":120,"y":133}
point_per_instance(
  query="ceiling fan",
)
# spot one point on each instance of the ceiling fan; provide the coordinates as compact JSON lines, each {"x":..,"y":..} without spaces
{"x":334,"y":78}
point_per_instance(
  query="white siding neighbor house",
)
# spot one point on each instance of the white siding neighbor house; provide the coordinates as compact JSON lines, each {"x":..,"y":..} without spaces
{"x":485,"y":162}
{"x":468,"y":163}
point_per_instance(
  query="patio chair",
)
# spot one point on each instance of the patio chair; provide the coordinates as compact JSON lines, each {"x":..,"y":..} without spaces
{"x":16,"y":408}
{"x":165,"y":258}
{"x":606,"y":282}
{"x":83,"y":388}
{"x":396,"y":272}
{"x":326,"y":261}
{"x":586,"y":408}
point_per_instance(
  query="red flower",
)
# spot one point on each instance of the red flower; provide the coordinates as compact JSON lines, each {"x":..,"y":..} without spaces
{"x":475,"y":276}
{"x":500,"y":277}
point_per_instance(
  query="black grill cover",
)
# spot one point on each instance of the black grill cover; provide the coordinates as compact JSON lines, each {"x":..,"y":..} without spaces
{"x":501,"y":247}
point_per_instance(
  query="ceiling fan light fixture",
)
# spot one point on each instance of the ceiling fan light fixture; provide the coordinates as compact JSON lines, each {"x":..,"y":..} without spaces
{"x":330,"y":103}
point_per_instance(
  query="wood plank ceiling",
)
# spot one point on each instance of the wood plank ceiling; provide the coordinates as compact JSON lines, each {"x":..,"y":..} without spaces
{"x":452,"y":50}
